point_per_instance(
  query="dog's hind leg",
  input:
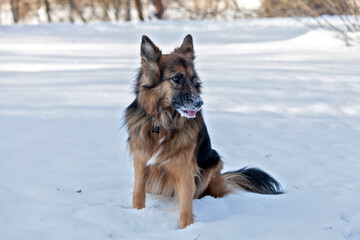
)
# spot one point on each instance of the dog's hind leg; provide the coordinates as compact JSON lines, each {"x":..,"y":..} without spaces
{"x":204,"y":179}
{"x":139,"y":186}
{"x":218,"y":186}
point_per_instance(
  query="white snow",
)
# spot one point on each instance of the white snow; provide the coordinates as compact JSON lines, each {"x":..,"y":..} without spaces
{"x":277,"y":96}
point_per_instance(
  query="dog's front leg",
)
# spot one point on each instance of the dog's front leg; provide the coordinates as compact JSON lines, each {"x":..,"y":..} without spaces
{"x":185,"y":187}
{"x":182,"y":174}
{"x":139,"y":186}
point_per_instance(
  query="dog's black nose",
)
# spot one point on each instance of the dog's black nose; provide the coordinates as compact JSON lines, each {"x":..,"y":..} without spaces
{"x":199,"y":103}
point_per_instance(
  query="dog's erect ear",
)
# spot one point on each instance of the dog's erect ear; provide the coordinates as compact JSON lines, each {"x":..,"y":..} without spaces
{"x":149,"y":51}
{"x":187,"y":48}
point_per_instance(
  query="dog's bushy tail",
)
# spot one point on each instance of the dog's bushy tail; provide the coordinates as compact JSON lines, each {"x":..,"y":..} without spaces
{"x":252,"y":180}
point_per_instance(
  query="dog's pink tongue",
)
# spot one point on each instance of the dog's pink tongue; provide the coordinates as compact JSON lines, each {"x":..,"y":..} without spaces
{"x":191,"y":113}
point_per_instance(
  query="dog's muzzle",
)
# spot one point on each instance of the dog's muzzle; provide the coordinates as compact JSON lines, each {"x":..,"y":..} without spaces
{"x":188,"y":105}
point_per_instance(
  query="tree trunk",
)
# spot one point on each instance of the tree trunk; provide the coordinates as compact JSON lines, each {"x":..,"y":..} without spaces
{"x":128,"y":10}
{"x":159,"y":8}
{"x":0,"y":14}
{"x":116,"y":5}
{"x":15,"y":10}
{"x":105,"y":16}
{"x":93,"y":10}
{"x":139,"y":9}
{"x":71,"y":5}
{"x":73,"y":8}
{"x":47,"y":8}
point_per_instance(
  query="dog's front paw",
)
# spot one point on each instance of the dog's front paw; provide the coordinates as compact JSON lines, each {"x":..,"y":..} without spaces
{"x":186,"y":219}
{"x":138,"y":201}
{"x":138,"y":205}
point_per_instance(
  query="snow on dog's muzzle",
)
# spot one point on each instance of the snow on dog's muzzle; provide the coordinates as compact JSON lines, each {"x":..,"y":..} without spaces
{"x":189,"y":105}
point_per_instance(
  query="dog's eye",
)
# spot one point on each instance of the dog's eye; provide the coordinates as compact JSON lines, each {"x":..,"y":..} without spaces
{"x":176,"y":79}
{"x":193,"y":79}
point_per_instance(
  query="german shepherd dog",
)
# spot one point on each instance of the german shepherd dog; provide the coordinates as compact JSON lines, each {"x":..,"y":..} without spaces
{"x":168,"y":139}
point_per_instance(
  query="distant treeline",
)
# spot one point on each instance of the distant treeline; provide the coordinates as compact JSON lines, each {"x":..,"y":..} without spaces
{"x":116,"y":10}
{"x":347,"y":11}
{"x":286,"y":8}
{"x":79,"y":10}
{"x":126,"y":10}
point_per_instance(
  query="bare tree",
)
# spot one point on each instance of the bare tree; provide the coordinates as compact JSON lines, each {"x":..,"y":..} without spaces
{"x":159,"y":8}
{"x":15,"y":10}
{"x":48,"y":10}
{"x":105,"y":8}
{"x":128,"y":10}
{"x":117,"y":7}
{"x":139,"y":9}
{"x":0,"y":13}
{"x":74,"y":8}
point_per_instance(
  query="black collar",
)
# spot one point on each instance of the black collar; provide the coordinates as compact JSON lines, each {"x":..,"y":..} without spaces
{"x":155,"y":129}
{"x":155,"y":126}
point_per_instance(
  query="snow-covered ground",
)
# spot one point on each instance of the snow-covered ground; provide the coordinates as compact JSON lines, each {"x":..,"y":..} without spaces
{"x":277,"y":96}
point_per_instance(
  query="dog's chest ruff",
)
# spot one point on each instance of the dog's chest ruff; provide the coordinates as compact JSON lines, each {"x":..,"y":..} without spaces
{"x":154,"y":158}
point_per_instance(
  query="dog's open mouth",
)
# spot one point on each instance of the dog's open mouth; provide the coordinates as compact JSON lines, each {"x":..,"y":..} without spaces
{"x":191,"y":113}
{"x":187,"y":113}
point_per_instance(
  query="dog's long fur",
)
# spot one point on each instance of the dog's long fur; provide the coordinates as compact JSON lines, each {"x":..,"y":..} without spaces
{"x":170,"y":145}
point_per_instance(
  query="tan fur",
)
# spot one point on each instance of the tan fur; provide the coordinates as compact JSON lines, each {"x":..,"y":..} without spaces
{"x":233,"y":180}
{"x":139,"y":186}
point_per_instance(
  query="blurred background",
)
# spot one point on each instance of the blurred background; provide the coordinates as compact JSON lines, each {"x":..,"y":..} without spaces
{"x":39,"y":11}
{"x":278,"y":95}
{"x":312,"y":13}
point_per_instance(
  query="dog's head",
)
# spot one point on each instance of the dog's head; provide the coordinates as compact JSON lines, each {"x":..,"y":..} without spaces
{"x":168,"y":82}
